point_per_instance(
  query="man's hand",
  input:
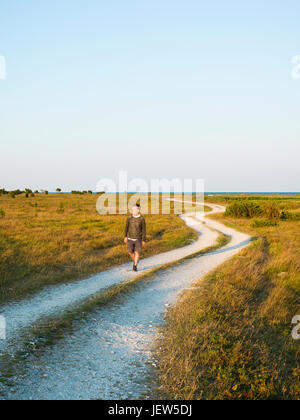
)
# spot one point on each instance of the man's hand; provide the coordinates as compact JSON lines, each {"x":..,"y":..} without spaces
{"x":144,"y":243}
{"x":125,"y":240}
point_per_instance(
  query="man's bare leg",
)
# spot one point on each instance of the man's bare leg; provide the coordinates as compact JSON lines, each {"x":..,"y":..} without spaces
{"x":136,"y":258}
{"x":132,"y":256}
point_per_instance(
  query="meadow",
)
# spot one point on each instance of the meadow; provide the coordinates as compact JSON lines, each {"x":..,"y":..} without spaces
{"x":54,"y":238}
{"x":232,"y":337}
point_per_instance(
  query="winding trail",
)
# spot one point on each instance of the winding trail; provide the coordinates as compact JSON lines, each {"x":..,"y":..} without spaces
{"x":109,"y":356}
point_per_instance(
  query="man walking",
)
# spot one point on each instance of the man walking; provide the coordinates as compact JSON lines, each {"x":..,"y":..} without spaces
{"x":135,"y":235}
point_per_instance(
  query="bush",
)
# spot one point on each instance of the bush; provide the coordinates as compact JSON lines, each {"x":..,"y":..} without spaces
{"x":79,"y":192}
{"x":271,"y":211}
{"x":17,"y":192}
{"x":243,"y":209}
{"x":262,"y":223}
{"x":283,"y":215}
{"x":287,"y":215}
{"x":2,"y":213}
{"x":12,"y":193}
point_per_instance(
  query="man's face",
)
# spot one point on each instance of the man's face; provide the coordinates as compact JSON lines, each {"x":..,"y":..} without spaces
{"x":135,"y":211}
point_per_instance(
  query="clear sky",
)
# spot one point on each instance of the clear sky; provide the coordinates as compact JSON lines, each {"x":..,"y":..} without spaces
{"x":161,"y":88}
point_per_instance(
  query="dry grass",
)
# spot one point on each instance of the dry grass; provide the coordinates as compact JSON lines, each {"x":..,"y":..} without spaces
{"x":57,"y":238}
{"x":231,"y":339}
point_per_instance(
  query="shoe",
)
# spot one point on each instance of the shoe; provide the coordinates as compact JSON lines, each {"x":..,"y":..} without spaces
{"x":134,"y":267}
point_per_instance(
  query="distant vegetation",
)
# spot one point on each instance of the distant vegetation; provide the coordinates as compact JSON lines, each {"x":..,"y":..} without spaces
{"x":82,"y":192}
{"x":243,"y":209}
{"x":28,"y":192}
{"x":270,"y":210}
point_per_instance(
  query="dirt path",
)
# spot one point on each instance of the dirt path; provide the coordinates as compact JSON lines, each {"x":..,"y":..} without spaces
{"x":109,"y":356}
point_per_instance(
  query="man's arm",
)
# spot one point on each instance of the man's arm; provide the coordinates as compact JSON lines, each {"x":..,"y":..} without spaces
{"x":144,"y":230}
{"x":126,"y":227}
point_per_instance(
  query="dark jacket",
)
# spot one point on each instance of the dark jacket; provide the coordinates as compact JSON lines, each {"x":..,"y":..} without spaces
{"x":135,"y":228}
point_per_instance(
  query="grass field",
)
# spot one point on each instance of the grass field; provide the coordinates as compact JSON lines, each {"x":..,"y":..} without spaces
{"x":49,"y":239}
{"x":231,"y":339}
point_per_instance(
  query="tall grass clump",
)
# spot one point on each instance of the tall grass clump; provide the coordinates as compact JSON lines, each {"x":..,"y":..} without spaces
{"x":287,"y":215}
{"x":243,"y":209}
{"x":263,"y":223}
{"x":271,"y":211}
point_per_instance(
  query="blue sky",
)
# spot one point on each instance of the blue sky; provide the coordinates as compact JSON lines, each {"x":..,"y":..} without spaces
{"x":189,"y":89}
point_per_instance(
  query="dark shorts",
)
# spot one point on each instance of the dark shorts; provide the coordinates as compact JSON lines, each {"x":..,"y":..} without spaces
{"x":134,"y":246}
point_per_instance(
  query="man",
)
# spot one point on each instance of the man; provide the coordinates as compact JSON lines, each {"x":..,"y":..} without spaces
{"x":135,"y":235}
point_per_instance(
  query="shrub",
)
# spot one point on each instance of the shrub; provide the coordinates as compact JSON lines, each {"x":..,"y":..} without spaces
{"x":80,"y":192}
{"x":287,"y":215}
{"x":17,"y":192}
{"x":243,"y":209}
{"x":262,"y":223}
{"x":271,"y":211}
{"x":283,"y":215}
{"x":2,"y":213}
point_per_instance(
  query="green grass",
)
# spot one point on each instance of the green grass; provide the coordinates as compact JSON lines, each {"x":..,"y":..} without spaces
{"x":231,"y":338}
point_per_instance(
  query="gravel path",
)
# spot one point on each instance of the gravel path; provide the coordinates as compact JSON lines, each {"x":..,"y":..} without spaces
{"x":110,"y":355}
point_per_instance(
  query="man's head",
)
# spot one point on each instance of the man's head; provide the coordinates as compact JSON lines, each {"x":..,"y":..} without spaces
{"x":135,"y":210}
